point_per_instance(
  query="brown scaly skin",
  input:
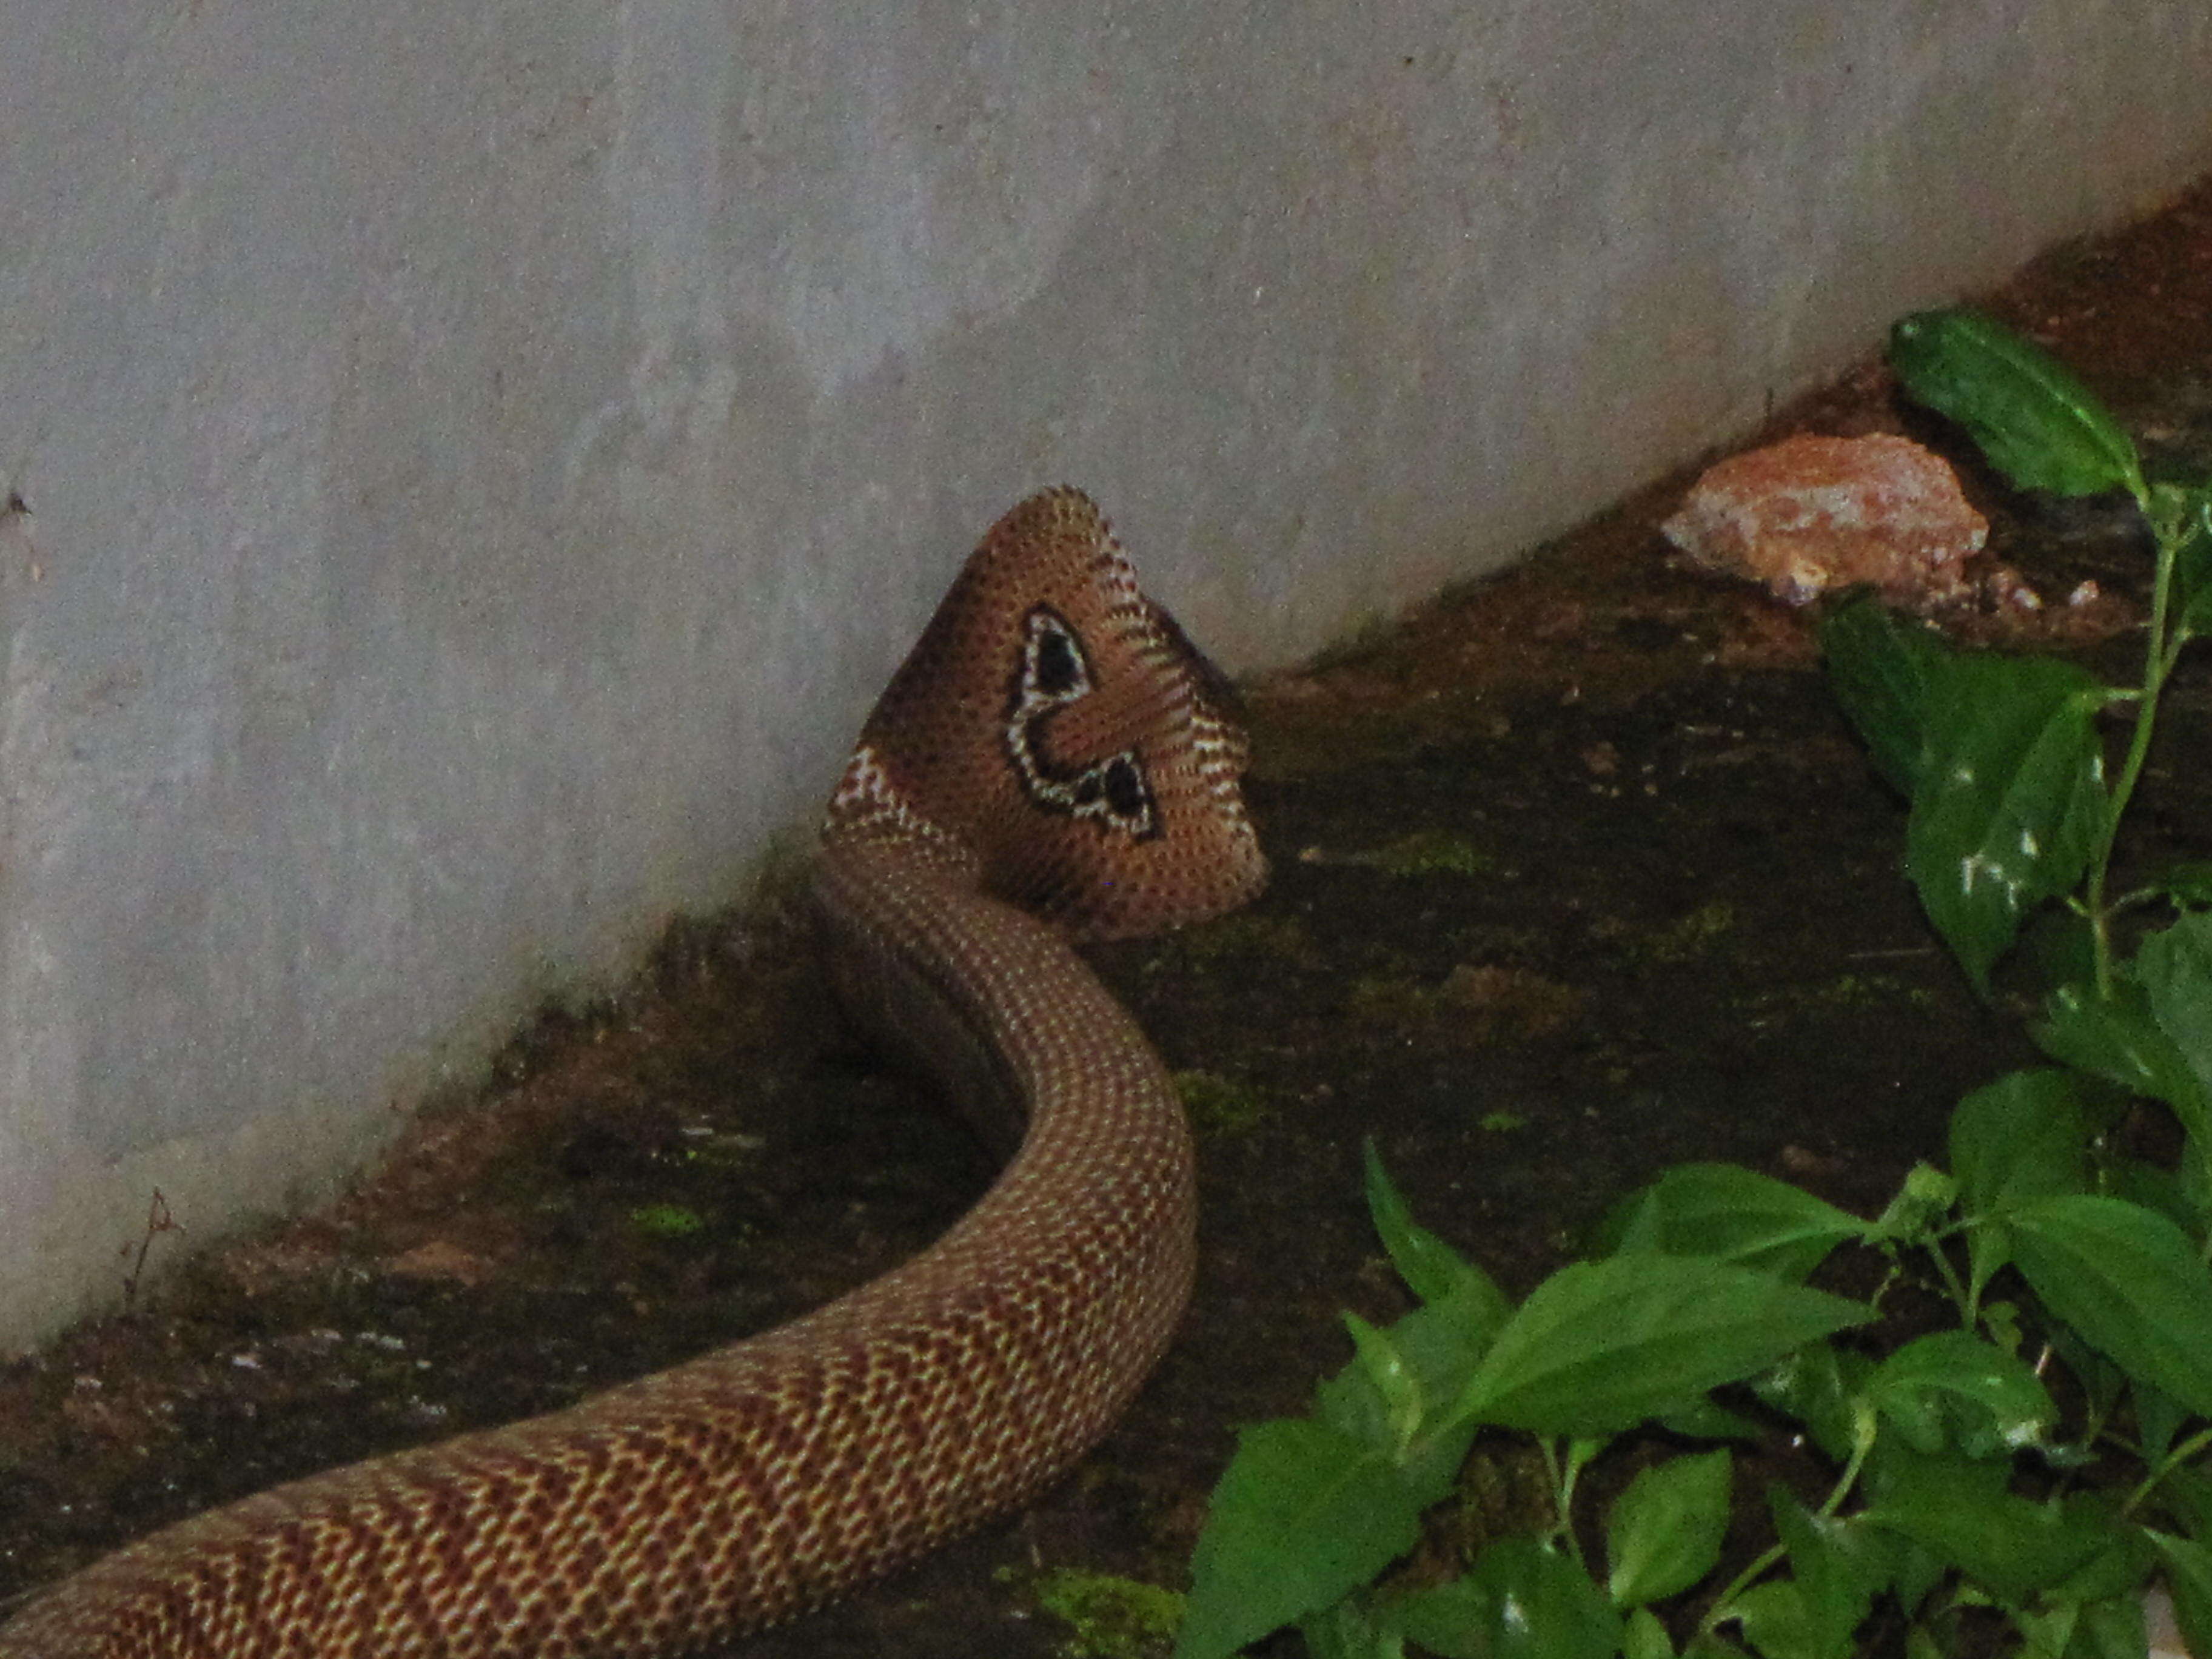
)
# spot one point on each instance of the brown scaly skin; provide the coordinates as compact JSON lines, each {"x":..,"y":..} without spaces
{"x":1052,"y":741}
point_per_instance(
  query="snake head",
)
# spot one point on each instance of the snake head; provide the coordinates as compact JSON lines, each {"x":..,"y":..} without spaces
{"x":1054,"y":738}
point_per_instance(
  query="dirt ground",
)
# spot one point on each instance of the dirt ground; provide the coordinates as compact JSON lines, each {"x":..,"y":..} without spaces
{"x":1578,"y":872}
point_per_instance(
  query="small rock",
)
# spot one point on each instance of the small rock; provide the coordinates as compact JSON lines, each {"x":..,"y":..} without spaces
{"x":1811,"y":513}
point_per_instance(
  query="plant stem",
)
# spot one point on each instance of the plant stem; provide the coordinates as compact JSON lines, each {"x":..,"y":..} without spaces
{"x":2158,"y":659}
{"x":2173,"y":1458}
{"x":1952,"y":1286}
{"x":1719,"y":1614}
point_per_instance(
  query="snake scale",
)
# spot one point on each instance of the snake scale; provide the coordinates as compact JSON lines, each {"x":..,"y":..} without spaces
{"x":1053,"y":761}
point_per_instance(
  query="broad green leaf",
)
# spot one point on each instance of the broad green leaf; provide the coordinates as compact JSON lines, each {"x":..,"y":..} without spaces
{"x":2011,"y":1546}
{"x":1646,"y":1638}
{"x":2122,"y":1565}
{"x":1304,"y":1514}
{"x":1821,"y":1386}
{"x":2039,"y":425}
{"x":1703,"y":1418}
{"x":2112,"y":1628}
{"x":1733,"y":1214}
{"x":2155,"y":1188}
{"x":1431,"y":1268}
{"x":1838,"y":1566}
{"x":1521,"y":1599}
{"x":1440,"y":1345}
{"x":1664,"y":1532}
{"x":2174,"y":968}
{"x":2129,"y":1282}
{"x":1342,"y":1631}
{"x":2117,"y":1037}
{"x":2018,"y":1139}
{"x":1600,"y":1346}
{"x":1446,"y":1340}
{"x":1776,"y":1621}
{"x":2159,"y":1417}
{"x":2011,"y":797}
{"x":1951,"y":1390}
{"x":2015,"y":1141}
{"x":1882,"y":671}
{"x":1393,"y":1381}
{"x":2184,"y":1497}
{"x":2188,"y":1580}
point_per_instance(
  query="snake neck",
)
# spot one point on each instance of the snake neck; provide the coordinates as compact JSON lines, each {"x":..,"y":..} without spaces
{"x":1052,"y":742}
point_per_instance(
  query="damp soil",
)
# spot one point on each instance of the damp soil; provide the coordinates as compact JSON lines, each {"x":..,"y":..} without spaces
{"x":1579,"y":873}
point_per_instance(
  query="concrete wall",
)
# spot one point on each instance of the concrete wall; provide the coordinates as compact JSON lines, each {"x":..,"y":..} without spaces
{"x":482,"y":458}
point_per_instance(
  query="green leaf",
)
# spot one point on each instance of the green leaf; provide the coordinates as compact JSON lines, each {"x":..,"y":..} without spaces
{"x":1521,"y":1599}
{"x":1838,"y":1567}
{"x":2015,"y":1141}
{"x":1445,"y":1342}
{"x":2122,"y":1565}
{"x":2159,"y":1417}
{"x":1882,"y":670}
{"x":1393,"y":1382}
{"x":2119,"y":1037}
{"x":1820,"y":1385}
{"x":1440,"y":1345}
{"x":2039,"y":425}
{"x":1600,"y":1346}
{"x":1646,"y":1638}
{"x":1342,"y":1631}
{"x":2010,"y":799}
{"x":2018,"y":1139}
{"x":1433,"y":1270}
{"x":1304,"y":1514}
{"x":2129,"y":1282}
{"x":2190,"y":522}
{"x":2155,"y":1188}
{"x":1733,"y":1214}
{"x":1664,"y":1532}
{"x":1951,"y":1390}
{"x":2188,"y":1580}
{"x":1776,"y":1620}
{"x":2185,"y":1495}
{"x":2174,"y":968}
{"x":1953,"y":1508}
{"x":1703,"y":1418}
{"x":2110,"y":1628}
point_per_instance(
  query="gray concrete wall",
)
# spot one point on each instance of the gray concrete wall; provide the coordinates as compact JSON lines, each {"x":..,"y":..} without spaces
{"x":482,"y":458}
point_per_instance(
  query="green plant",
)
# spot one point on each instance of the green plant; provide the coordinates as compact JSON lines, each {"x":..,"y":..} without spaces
{"x":2041,"y":1462}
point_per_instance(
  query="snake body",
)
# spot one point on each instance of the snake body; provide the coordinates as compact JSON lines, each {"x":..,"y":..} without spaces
{"x":1052,"y":761}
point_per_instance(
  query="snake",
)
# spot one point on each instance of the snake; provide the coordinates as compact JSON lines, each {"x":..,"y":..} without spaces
{"x":1053,"y":763}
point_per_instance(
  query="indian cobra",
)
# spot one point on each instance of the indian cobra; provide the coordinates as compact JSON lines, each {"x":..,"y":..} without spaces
{"x":1052,"y":761}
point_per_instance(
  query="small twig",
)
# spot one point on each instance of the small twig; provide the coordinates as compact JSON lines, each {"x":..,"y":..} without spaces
{"x":158,"y":1220}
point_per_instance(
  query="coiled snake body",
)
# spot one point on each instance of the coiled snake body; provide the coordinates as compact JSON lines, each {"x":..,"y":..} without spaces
{"x":1052,"y":760}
